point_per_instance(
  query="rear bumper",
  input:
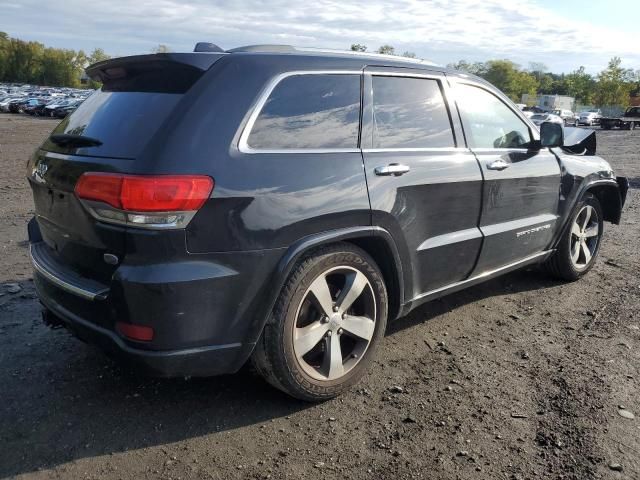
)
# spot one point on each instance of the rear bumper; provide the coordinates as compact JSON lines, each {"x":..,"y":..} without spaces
{"x":206,"y":310}
{"x":197,"y":361}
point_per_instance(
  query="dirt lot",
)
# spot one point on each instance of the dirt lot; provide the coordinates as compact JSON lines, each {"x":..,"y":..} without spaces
{"x":520,"y":378}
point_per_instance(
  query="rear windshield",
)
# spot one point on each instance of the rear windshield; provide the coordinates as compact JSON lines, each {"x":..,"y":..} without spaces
{"x":123,"y":121}
{"x":137,"y":97}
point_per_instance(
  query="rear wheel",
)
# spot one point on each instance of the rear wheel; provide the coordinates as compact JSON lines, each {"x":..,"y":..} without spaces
{"x":326,"y":325}
{"x":580,"y":243}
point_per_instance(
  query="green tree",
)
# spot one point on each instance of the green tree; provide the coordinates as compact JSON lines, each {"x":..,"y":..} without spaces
{"x":477,"y":68}
{"x":23,"y":61}
{"x":408,"y":54}
{"x":161,"y":48}
{"x":96,"y":56}
{"x":386,"y":50}
{"x":4,"y":50}
{"x":357,"y":47}
{"x":581,"y":85}
{"x":507,"y":76}
{"x":614,"y":84}
{"x":59,"y":67}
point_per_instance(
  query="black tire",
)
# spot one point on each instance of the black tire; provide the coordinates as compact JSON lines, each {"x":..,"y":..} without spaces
{"x":274,"y":357}
{"x":560,"y":265}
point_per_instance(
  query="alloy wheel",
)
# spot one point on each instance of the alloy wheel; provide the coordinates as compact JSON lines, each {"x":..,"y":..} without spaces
{"x":335,"y":323}
{"x":585,"y":235}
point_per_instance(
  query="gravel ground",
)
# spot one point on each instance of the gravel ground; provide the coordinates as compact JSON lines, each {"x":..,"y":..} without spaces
{"x":520,"y":378}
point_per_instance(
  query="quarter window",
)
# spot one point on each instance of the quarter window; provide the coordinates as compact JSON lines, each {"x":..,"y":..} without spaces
{"x":410,"y":113}
{"x":310,"y":112}
{"x":488,"y":122}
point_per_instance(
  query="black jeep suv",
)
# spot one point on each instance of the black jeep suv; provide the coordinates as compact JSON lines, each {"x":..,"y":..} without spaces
{"x":280,"y":205}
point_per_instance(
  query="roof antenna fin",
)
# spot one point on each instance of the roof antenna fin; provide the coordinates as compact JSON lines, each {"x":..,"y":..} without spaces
{"x":207,"y":47}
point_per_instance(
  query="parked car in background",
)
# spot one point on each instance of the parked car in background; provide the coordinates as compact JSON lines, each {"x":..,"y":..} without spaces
{"x":34,"y":100}
{"x":539,"y":118}
{"x":629,"y":120}
{"x":531,"y":111}
{"x":590,"y":117}
{"x":567,"y":116}
{"x":35,"y":106}
{"x":339,"y":190}
{"x":17,"y":105}
{"x":64,"y":110}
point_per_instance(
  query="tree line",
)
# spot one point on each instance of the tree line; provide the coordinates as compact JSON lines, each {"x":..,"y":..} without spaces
{"x":32,"y":62}
{"x":612,"y":86}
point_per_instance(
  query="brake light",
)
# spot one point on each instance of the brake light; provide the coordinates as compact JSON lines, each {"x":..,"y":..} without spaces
{"x":167,"y":201}
{"x":141,"y":193}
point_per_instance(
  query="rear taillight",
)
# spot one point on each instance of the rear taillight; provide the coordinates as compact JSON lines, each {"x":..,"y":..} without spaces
{"x":152,"y":201}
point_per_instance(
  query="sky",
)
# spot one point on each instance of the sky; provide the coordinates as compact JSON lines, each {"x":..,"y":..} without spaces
{"x":561,"y":34}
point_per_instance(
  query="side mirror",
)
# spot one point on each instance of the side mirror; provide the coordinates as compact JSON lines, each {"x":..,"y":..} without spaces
{"x":551,"y":134}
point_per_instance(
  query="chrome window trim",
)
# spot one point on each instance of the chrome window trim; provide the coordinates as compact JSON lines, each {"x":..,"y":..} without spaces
{"x":243,"y":143}
{"x":422,"y":149}
{"x":501,"y":97}
{"x":440,"y":77}
{"x":500,"y":150}
{"x":372,"y":71}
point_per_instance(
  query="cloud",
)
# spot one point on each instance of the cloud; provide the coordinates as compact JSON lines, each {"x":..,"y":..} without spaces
{"x":441,"y":30}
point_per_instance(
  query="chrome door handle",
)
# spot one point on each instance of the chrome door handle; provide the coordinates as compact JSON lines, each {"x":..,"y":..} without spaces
{"x":395,"y":169}
{"x":498,"y":165}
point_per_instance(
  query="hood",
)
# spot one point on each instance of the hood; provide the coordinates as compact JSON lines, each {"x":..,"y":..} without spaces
{"x":579,"y":141}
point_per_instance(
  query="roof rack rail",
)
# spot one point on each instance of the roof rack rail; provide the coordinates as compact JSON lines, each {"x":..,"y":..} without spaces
{"x":292,"y":49}
{"x":364,"y":54}
{"x":263,"y":48}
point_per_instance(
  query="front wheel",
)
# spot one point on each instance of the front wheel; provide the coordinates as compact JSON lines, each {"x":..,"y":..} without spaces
{"x":326,"y":325}
{"x":580,"y":243}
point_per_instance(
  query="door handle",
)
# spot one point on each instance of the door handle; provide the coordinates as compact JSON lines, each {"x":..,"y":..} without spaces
{"x":498,"y":165}
{"x":395,"y":169}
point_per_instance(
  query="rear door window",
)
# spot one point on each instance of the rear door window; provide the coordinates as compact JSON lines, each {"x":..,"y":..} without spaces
{"x":410,"y":113}
{"x":319,"y":111}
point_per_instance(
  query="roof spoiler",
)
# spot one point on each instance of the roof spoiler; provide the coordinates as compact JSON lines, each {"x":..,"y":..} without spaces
{"x":117,"y":67}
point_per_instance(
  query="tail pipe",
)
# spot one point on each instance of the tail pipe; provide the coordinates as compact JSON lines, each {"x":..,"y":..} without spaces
{"x":51,"y":320}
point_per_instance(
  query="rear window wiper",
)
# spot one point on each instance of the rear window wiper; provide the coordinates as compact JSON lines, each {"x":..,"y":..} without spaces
{"x":66,"y":140}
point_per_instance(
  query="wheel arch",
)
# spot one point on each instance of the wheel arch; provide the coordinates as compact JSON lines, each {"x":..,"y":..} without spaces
{"x":376,"y":241}
{"x":611,"y":201}
{"x":610,"y":193}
